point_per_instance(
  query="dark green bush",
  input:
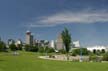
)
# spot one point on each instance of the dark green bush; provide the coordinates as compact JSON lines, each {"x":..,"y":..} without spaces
{"x":95,"y":58}
{"x":41,"y":49}
{"x":13,"y":47}
{"x":34,"y":49}
{"x":3,"y":47}
{"x":27,"y":47}
{"x":79,"y":51}
{"x":62,"y":51}
{"x":50,"y":50}
{"x":105,"y":57}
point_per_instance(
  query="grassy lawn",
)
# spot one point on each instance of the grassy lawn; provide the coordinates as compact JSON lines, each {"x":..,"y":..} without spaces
{"x":28,"y":61}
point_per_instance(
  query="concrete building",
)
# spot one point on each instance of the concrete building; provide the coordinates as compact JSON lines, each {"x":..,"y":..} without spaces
{"x":18,"y":42}
{"x":29,"y":38}
{"x":76,"y":44}
{"x":52,"y":44}
{"x":59,"y":43}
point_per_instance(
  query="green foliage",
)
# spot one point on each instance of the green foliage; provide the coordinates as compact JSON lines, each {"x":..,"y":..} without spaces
{"x":13,"y":47}
{"x":49,"y":50}
{"x":105,"y":56}
{"x":62,"y":51}
{"x":103,"y":51}
{"x":41,"y":49}
{"x":79,"y":50}
{"x":31,"y":48}
{"x":92,"y":57}
{"x":98,"y":52}
{"x":66,"y":37}
{"x":19,"y":46}
{"x":2,"y":46}
{"x":34,"y":49}
{"x":95,"y":58}
{"x":27,"y":47}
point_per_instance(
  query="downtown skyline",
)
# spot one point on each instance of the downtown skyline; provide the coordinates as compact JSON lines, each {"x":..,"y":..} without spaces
{"x":87,"y":20}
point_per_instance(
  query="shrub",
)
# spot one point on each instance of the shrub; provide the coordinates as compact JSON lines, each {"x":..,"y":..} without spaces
{"x":13,"y":47}
{"x":19,"y":46}
{"x":78,"y":51}
{"x":98,"y":52}
{"x":105,"y":57}
{"x":62,"y":51}
{"x":103,"y":51}
{"x":2,"y":46}
{"x":95,"y":58}
{"x":34,"y":49}
{"x":31,"y":48}
{"x":41,"y":49}
{"x":50,"y":50}
{"x":27,"y":47}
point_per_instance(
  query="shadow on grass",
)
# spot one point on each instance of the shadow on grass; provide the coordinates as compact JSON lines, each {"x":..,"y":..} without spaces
{"x":2,"y":60}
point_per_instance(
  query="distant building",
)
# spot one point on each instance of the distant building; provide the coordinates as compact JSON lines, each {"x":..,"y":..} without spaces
{"x":76,"y":44}
{"x":11,"y":41}
{"x":18,"y":42}
{"x":29,"y":38}
{"x":52,"y":44}
{"x":59,"y":43}
{"x":95,"y":48}
{"x":41,"y":43}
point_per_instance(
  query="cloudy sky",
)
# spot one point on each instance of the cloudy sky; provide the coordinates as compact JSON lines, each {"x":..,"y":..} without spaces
{"x":87,"y":20}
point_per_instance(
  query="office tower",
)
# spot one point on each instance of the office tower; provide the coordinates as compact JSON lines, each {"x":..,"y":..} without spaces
{"x":52,"y":44}
{"x":29,"y":38}
{"x":59,"y":43}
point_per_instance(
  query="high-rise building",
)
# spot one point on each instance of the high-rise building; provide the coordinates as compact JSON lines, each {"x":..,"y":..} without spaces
{"x":59,"y":43}
{"x":29,"y":38}
{"x":52,"y":44}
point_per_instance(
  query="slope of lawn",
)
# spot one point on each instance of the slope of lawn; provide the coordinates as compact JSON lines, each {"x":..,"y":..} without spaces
{"x":28,"y":61}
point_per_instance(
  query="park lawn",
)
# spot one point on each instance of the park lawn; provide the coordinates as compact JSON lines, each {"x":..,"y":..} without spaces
{"x":28,"y":61}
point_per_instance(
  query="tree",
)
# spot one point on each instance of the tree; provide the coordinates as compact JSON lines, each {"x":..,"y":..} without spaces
{"x":19,"y":46}
{"x":2,"y":46}
{"x":77,"y":51}
{"x":13,"y":47}
{"x":34,"y":49}
{"x":66,"y":37}
{"x":103,"y":51}
{"x":49,"y":50}
{"x":27,"y":47}
{"x":41,"y":49}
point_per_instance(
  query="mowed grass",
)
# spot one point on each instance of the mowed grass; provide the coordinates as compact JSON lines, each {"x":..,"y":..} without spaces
{"x":28,"y":61}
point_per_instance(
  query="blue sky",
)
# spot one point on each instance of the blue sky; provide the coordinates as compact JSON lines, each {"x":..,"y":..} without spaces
{"x":87,"y":20}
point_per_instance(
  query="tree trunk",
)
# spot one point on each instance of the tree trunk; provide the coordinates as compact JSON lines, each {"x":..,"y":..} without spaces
{"x":67,"y":55}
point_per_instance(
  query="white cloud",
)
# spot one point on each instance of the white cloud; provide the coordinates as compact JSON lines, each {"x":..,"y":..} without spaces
{"x":78,"y":17}
{"x":68,"y":17}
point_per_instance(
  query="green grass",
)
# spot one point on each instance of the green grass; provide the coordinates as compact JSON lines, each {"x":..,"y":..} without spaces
{"x":28,"y":61}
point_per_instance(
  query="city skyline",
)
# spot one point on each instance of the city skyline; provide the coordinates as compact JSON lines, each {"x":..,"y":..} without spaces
{"x":86,"y":20}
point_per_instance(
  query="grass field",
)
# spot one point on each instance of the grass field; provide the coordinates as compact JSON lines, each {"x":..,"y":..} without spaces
{"x":27,"y":61}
